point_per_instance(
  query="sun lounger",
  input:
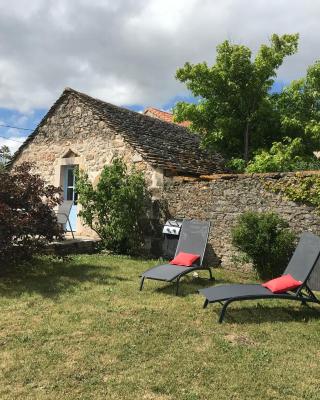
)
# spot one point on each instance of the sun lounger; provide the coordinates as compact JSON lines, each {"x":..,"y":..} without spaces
{"x":300,"y":267}
{"x":193,"y":239}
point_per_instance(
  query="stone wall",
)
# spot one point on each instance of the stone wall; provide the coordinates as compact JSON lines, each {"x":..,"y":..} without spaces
{"x":221,"y":199}
{"x":74,"y":135}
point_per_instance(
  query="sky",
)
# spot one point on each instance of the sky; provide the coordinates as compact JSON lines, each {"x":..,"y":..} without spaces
{"x":127,"y":51}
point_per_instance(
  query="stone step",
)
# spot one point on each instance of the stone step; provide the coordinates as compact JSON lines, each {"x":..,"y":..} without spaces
{"x":78,"y":245}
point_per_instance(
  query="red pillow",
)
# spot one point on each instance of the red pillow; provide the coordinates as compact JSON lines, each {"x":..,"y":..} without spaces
{"x":282,"y":284}
{"x":185,"y":259}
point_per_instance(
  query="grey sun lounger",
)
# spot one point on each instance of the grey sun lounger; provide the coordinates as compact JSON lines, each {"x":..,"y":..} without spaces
{"x":193,"y":239}
{"x":63,"y":213}
{"x":300,"y":267}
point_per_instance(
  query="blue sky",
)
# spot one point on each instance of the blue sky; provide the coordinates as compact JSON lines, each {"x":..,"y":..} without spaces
{"x":22,"y":120}
{"x":126,"y":52}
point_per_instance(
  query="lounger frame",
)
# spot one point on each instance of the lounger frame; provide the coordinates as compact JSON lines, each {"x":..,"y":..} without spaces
{"x":186,"y":271}
{"x":183,"y":247}
{"x":309,"y":246}
{"x":310,"y":297}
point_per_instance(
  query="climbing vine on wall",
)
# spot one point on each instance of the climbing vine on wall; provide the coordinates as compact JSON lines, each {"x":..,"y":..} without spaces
{"x":299,"y":188}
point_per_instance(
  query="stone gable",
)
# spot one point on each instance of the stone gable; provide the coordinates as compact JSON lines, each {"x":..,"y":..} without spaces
{"x":75,"y":130}
{"x":75,"y":135}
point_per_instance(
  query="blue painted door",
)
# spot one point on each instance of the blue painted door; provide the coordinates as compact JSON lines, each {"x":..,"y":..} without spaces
{"x":70,"y":194}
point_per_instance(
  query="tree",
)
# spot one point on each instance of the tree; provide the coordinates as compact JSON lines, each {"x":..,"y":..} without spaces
{"x":27,"y":221}
{"x":5,"y":155}
{"x":298,"y":106}
{"x":115,"y":208}
{"x":234,"y":112}
{"x":288,"y":155}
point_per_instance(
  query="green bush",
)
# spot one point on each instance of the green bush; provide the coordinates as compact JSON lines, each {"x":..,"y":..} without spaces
{"x":266,"y":240}
{"x":115,"y":208}
{"x":237,"y":165}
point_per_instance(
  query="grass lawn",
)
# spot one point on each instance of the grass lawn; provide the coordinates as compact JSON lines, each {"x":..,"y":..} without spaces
{"x":82,"y":330}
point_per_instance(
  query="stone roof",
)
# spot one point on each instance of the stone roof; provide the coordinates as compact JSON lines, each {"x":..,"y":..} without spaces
{"x":163,"y":145}
{"x":164,"y":116}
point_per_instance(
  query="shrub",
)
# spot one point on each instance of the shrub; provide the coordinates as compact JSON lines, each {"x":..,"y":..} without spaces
{"x":237,"y":165}
{"x":27,"y":221}
{"x":266,"y":241}
{"x":114,"y":209}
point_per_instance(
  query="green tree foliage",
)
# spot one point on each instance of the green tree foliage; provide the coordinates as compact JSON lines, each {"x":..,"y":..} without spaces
{"x":27,"y":221}
{"x":298,"y":106}
{"x":266,"y":241}
{"x":288,"y":155}
{"x":115,"y":208}
{"x":5,"y":156}
{"x":234,"y":114}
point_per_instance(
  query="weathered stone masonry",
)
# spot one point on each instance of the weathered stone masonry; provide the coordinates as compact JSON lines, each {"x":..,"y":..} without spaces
{"x":74,"y":135}
{"x":221,"y":199}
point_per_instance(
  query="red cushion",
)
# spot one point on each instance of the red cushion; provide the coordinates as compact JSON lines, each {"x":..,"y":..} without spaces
{"x":282,"y":284}
{"x":185,"y":259}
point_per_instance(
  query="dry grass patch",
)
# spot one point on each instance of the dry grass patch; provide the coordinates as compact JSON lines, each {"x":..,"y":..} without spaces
{"x":239,"y":339}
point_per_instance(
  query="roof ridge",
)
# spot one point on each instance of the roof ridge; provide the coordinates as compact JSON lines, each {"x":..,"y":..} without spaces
{"x":163,"y":144}
{"x":114,"y":106}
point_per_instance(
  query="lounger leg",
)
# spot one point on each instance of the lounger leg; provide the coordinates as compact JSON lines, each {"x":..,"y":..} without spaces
{"x":177,"y":285}
{"x":206,"y":302}
{"x":211,"y":276}
{"x":141,"y":284}
{"x":312,"y":295}
{"x":223,"y":311}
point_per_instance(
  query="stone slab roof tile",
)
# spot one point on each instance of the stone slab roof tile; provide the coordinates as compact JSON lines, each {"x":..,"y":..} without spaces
{"x":164,"y":145}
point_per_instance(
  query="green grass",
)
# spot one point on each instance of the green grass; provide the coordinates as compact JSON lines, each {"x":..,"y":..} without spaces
{"x":81,"y":330}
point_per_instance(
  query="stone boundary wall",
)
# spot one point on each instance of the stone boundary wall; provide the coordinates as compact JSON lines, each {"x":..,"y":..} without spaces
{"x":222,"y":198}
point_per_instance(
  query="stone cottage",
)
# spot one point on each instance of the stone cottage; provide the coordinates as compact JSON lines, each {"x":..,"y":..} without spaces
{"x":187,"y":182}
{"x":79,"y":130}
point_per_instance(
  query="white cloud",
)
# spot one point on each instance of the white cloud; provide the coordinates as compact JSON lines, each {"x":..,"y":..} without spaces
{"x":13,"y":143}
{"x":127,"y":51}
